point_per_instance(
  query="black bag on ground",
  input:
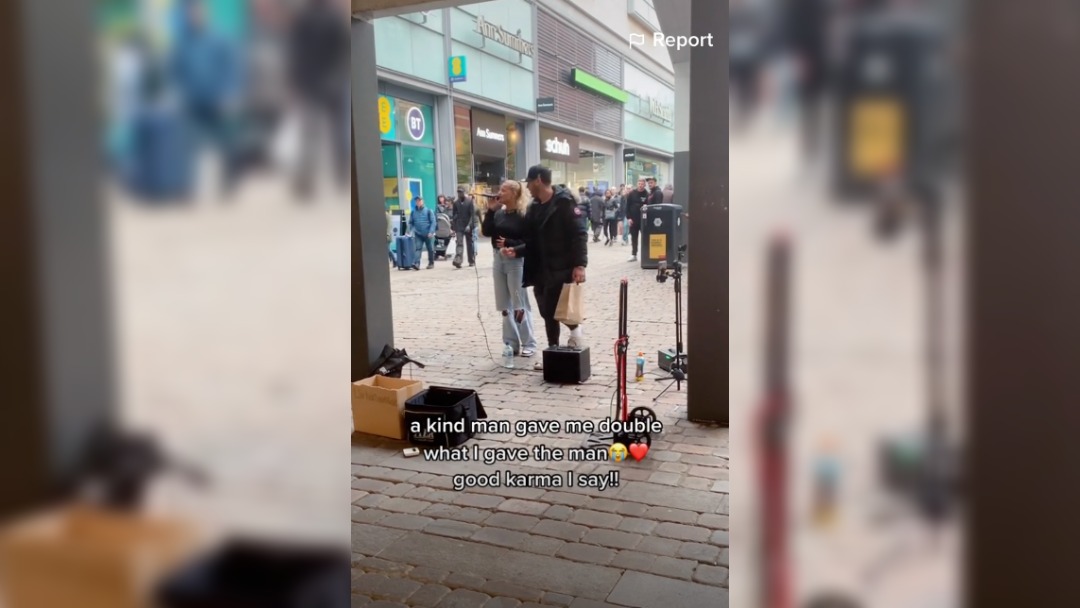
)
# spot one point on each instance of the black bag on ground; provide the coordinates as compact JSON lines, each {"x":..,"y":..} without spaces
{"x":439,"y":406}
{"x":391,"y":362}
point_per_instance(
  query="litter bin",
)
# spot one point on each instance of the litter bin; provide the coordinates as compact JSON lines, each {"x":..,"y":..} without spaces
{"x":661,"y":234}
{"x":885,"y":105}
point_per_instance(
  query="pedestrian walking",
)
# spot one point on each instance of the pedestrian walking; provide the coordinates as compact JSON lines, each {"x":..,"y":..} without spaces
{"x":464,"y":224}
{"x":635,"y":201}
{"x":504,"y":222}
{"x":669,"y":195}
{"x":624,"y":228}
{"x":556,"y":250}
{"x":611,"y":218}
{"x":204,"y":66}
{"x":596,"y":214}
{"x":423,"y":224}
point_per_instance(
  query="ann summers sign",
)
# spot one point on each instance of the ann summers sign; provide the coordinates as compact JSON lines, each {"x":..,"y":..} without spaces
{"x":503,"y":37}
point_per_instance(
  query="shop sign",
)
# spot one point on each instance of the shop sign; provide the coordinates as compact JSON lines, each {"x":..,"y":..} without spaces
{"x":545,"y":104}
{"x":629,"y":155}
{"x":489,"y":134}
{"x":496,"y":33}
{"x":584,"y":80}
{"x":404,"y":121}
{"x":457,"y":68}
{"x":417,"y":126}
{"x":660,"y":110}
{"x":387,"y":119}
{"x":558,"y":146}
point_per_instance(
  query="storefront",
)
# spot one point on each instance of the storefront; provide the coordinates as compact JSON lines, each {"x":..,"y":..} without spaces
{"x":488,"y":147}
{"x":644,"y":165}
{"x":408,"y":151}
{"x":578,"y":161}
{"x":648,"y":121}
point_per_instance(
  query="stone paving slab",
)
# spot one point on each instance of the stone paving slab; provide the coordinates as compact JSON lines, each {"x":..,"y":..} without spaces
{"x":535,"y":571}
{"x":646,"y":590}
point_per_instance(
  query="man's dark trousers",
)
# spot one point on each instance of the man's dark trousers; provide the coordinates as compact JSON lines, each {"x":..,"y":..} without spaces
{"x":635,"y":230}
{"x":547,"y":300}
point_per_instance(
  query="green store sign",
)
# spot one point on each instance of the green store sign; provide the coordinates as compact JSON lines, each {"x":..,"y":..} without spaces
{"x":593,"y":84}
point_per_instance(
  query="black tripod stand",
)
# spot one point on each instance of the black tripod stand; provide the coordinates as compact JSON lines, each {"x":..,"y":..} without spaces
{"x":678,"y":364}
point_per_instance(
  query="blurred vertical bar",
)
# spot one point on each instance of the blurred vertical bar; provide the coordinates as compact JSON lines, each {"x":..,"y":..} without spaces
{"x":56,"y":360}
{"x":1024,"y":337}
{"x":707,"y":203}
{"x":372,"y":318}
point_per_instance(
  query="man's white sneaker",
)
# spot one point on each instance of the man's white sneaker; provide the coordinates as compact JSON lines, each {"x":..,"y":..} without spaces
{"x":577,"y":339}
{"x":632,"y":258}
{"x":527,"y":352}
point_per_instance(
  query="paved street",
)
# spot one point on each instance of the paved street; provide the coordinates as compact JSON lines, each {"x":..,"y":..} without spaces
{"x":659,"y":539}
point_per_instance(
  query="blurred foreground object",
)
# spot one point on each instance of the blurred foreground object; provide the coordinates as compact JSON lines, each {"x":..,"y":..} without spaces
{"x":254,"y":574}
{"x":120,"y":466}
{"x":101,"y":551}
{"x":773,"y":426}
{"x":890,"y":85}
{"x":89,"y":557}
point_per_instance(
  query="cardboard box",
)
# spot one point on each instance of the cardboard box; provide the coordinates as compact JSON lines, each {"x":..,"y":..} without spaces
{"x":378,"y":403}
{"x":88,"y":558}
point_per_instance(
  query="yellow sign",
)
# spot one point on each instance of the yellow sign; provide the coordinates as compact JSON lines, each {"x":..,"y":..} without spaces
{"x":658,"y":246}
{"x":877,"y":137}
{"x":455,"y":66}
{"x":386,"y":116}
{"x":390,"y":192}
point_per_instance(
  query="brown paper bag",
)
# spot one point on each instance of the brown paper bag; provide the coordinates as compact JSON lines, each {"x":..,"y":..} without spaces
{"x":571,"y":308}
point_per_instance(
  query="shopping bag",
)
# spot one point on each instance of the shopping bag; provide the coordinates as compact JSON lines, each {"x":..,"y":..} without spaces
{"x":571,"y":308}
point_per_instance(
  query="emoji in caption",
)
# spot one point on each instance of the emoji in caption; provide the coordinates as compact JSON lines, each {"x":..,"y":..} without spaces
{"x":617,"y":452}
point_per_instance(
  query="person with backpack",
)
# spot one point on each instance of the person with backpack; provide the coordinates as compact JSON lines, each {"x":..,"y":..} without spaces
{"x":422,"y":223}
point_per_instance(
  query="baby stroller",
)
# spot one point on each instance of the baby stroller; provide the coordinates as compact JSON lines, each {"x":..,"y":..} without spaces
{"x":443,"y":234}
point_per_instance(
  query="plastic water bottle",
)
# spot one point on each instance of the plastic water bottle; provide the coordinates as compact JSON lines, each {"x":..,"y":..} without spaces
{"x":639,"y":375}
{"x":508,"y":357}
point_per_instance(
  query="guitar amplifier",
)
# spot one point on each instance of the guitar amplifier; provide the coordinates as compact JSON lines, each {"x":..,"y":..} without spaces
{"x":565,"y":365}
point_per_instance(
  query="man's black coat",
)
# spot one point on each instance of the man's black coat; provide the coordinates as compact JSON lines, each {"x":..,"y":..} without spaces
{"x":556,"y":241}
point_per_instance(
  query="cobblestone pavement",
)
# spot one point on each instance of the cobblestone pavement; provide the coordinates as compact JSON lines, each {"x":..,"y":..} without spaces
{"x":658,"y":539}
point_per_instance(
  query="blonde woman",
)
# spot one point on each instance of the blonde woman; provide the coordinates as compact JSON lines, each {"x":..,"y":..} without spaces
{"x":504,"y":222}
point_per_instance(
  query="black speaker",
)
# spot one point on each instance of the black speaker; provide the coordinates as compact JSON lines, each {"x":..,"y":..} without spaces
{"x":565,"y":365}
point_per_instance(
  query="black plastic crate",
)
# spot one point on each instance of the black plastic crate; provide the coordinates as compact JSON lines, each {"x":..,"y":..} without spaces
{"x":247,"y":574}
{"x":459,"y":407}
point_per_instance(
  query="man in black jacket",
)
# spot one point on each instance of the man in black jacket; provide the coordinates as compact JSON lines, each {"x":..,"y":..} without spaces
{"x":656,"y":195}
{"x":634,"y":202}
{"x":556,"y":249}
{"x":463,"y":223}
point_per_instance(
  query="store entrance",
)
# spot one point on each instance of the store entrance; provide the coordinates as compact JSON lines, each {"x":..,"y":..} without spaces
{"x":489,"y":171}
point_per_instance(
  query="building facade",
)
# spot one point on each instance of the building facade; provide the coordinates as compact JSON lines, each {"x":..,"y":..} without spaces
{"x":476,"y":94}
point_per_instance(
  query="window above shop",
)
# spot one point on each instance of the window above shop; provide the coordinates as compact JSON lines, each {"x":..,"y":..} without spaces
{"x":644,"y":13}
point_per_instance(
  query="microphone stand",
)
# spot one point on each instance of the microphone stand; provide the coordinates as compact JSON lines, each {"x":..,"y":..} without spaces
{"x":677,"y":372}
